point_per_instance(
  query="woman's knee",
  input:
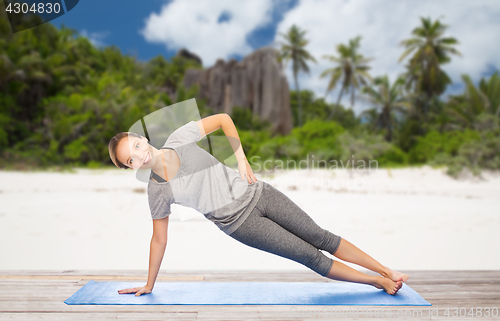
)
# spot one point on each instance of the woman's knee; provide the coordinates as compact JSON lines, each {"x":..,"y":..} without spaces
{"x":320,"y":263}
{"x":332,"y":242}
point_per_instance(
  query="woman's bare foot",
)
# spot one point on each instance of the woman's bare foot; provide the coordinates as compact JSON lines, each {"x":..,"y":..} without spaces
{"x":388,"y":285}
{"x":395,"y":276}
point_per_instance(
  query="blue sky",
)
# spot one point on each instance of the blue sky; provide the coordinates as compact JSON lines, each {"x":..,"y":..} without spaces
{"x":115,"y":23}
{"x":119,"y":23}
{"x":227,"y":28}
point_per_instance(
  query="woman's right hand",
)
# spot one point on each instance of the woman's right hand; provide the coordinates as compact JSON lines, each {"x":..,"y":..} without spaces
{"x":138,"y":291}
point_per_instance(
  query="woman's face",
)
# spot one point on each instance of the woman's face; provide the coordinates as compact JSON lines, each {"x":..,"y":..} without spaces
{"x":135,"y":153}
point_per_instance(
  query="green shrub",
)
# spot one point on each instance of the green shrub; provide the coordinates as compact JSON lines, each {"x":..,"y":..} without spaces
{"x":93,"y":164}
{"x":366,"y":149}
{"x":475,"y":154}
{"x":319,"y":137}
{"x":243,"y":119}
{"x":325,"y":143}
{"x":435,"y":143}
{"x":393,"y":157}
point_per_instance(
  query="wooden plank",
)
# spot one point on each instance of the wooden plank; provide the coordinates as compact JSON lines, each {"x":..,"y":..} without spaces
{"x":16,"y":306}
{"x":99,"y":316}
{"x":102,"y":277}
{"x":309,"y":313}
{"x":416,"y":277}
{"x":30,"y":298}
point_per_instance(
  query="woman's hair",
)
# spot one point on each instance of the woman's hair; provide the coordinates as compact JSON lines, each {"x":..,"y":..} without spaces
{"x":113,"y":144}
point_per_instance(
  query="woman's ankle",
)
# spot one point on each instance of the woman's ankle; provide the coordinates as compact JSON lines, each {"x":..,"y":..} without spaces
{"x":385,"y":272}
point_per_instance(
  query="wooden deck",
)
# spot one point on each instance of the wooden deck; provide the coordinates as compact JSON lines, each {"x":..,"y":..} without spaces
{"x":40,"y":295}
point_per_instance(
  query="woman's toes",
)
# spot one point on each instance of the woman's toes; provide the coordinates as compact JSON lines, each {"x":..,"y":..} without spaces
{"x":399,"y":284}
{"x":389,"y":286}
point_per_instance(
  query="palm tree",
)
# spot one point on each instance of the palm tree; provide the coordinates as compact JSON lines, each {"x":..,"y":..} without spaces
{"x":293,"y":48}
{"x":351,"y":67}
{"x":484,"y":99}
{"x":37,"y":78}
{"x":8,"y":72}
{"x":491,"y":88}
{"x":431,"y":50}
{"x":389,"y":98}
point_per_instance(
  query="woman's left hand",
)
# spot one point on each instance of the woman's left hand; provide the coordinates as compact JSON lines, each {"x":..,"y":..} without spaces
{"x":246,"y":171}
{"x":138,"y":291}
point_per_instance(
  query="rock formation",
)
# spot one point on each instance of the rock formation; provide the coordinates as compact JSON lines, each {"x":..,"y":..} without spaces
{"x":189,"y":55}
{"x":257,"y":83}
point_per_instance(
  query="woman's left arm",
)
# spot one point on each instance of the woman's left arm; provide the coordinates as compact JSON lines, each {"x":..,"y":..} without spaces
{"x":224,"y":121}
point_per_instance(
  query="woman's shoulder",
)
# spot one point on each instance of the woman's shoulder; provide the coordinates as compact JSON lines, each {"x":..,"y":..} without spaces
{"x":186,"y":134}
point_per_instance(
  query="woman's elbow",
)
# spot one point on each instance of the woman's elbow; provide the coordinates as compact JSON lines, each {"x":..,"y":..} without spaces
{"x":228,"y":117}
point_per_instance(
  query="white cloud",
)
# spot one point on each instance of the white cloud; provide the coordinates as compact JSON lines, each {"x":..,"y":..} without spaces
{"x":194,"y":25}
{"x":384,"y":23}
{"x":95,"y":38}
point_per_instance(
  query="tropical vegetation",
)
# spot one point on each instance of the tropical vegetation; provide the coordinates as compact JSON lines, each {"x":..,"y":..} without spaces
{"x":62,"y":99}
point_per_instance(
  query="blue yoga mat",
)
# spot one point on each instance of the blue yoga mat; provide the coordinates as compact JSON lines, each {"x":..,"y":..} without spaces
{"x":242,"y":293}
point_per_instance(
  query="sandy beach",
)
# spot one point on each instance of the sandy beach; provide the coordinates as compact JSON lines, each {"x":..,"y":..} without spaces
{"x":411,"y":219}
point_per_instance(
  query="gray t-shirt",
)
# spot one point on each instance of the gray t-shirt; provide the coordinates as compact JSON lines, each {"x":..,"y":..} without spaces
{"x":203,"y":183}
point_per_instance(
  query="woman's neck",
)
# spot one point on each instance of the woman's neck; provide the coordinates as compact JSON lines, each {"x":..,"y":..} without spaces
{"x":160,"y":167}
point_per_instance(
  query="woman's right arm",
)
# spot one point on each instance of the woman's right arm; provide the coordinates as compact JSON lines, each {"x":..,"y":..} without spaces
{"x":156,"y":252}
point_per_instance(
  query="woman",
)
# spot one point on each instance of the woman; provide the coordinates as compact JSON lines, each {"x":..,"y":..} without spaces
{"x":250,"y":211}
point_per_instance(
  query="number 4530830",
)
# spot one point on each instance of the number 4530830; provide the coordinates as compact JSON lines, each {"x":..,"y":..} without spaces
{"x":35,"y":8}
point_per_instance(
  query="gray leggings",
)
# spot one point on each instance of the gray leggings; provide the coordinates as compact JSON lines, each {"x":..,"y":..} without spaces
{"x":277,"y":225}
